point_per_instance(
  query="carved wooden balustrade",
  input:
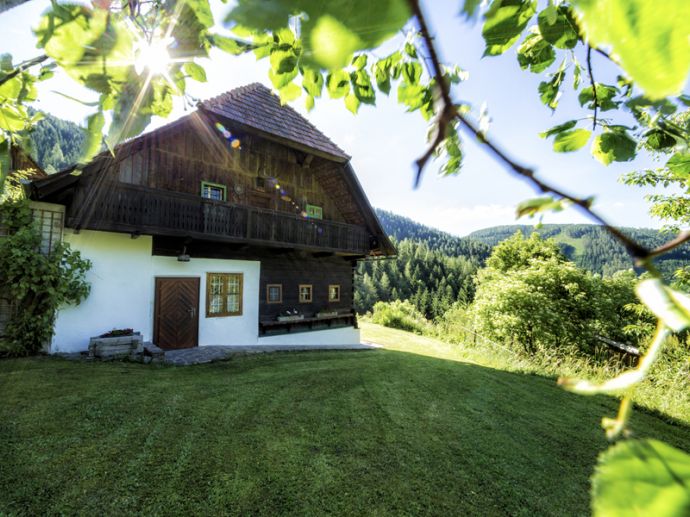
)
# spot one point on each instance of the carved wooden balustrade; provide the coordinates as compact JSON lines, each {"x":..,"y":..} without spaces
{"x":135,"y":209}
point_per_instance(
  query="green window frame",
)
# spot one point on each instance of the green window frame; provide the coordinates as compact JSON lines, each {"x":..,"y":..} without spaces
{"x":207,"y":187}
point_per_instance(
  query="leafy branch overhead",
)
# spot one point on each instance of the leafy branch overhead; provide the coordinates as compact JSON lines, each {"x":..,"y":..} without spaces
{"x":312,"y":46}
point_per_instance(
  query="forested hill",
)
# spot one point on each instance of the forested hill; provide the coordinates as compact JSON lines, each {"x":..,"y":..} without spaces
{"x":590,"y":246}
{"x":56,"y":143}
{"x":402,"y":228}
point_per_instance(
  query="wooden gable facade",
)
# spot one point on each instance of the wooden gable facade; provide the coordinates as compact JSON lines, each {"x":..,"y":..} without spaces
{"x":241,"y":178}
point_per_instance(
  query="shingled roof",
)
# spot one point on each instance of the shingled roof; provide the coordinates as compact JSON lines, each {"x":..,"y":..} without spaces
{"x":255,"y":107}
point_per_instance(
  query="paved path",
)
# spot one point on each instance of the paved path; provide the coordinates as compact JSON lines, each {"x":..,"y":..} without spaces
{"x":207,"y":354}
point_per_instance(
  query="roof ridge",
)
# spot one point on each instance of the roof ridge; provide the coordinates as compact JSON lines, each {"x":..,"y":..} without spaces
{"x":257,"y":106}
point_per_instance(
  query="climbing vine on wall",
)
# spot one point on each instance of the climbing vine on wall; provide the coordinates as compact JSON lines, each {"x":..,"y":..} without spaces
{"x":36,"y":284}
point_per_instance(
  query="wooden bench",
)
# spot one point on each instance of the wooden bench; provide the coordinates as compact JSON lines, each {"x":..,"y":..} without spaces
{"x":307,"y":324}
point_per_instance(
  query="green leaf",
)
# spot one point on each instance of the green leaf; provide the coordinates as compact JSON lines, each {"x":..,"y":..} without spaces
{"x":13,"y":118}
{"x":642,"y":477}
{"x":614,"y":146}
{"x":338,"y":84}
{"x":670,"y":306}
{"x":414,"y":96}
{"x":558,"y":27}
{"x":352,"y":103}
{"x":605,"y":95}
{"x":649,"y":39}
{"x":411,"y":72}
{"x":572,"y":140}
{"x":283,"y":61}
{"x":279,"y":80}
{"x":359,"y":62}
{"x":531,"y":207}
{"x":195,"y":71}
{"x":549,"y":91}
{"x":469,"y":9}
{"x":558,"y":129}
{"x":333,"y":43}
{"x":229,"y":45}
{"x":505,"y":21}
{"x":332,"y":31}
{"x":577,"y":75}
{"x":202,"y":11}
{"x":535,"y":54}
{"x":362,"y":88}
{"x":679,"y":165}
{"x":312,"y":82}
{"x":6,"y":62}
{"x":410,"y":50}
{"x":94,"y":136}
{"x":658,"y":139}
{"x":309,"y":102}
{"x":289,"y":93}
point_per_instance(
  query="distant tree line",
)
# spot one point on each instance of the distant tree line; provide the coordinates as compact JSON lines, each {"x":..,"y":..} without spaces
{"x":56,"y":144}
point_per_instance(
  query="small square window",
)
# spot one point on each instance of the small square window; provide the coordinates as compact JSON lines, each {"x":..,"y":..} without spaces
{"x":305,"y":293}
{"x":314,"y":212}
{"x":213,"y":191}
{"x":274,"y":293}
{"x":334,"y":293}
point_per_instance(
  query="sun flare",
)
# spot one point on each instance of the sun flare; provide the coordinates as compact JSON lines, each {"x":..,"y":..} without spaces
{"x":153,"y":56}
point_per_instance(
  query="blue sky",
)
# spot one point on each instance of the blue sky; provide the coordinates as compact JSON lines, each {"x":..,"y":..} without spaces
{"x":384,"y":141}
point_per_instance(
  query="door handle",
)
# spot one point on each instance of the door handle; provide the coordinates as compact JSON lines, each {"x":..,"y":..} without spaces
{"x":192,"y":312}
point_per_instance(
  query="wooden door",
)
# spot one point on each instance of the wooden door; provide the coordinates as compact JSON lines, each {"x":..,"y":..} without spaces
{"x":176,"y":318}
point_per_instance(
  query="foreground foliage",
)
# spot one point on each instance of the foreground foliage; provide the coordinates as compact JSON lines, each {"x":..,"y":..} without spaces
{"x":412,"y":429}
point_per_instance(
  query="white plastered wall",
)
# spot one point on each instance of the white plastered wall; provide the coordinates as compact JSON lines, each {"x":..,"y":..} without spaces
{"x":122,"y":281}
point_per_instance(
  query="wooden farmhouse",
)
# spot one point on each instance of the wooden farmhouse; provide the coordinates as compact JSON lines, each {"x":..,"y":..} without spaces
{"x":239,"y":224}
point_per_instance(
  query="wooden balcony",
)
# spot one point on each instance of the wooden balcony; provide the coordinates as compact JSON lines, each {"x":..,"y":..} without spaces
{"x":136,"y":209}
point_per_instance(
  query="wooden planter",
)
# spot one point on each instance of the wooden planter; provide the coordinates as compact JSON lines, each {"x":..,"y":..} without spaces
{"x":114,"y":347}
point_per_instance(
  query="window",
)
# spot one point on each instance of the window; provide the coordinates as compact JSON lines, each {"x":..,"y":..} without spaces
{"x":48,"y":219}
{"x":274,"y":293}
{"x":305,"y":293}
{"x":333,"y":293}
{"x":214,"y":191}
{"x":314,"y":212}
{"x":223,"y":294}
{"x":260,"y":183}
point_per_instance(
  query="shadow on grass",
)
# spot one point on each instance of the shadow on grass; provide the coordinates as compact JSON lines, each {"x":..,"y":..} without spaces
{"x":307,"y":433}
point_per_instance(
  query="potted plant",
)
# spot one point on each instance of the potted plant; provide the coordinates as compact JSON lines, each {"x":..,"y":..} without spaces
{"x":290,"y":315}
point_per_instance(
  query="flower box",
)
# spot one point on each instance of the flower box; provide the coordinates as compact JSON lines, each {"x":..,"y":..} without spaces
{"x":330,"y":314}
{"x":115,"y":347}
{"x":291,"y":318}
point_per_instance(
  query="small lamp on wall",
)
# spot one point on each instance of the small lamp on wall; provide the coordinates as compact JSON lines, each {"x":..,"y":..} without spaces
{"x":184,"y":256}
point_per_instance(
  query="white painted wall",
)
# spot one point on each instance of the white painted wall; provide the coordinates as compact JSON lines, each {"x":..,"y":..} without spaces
{"x":120,"y":296}
{"x":225,"y":330}
{"x":339,"y":336}
{"x":122,"y":281}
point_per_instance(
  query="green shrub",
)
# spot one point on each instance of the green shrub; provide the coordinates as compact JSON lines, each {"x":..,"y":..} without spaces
{"x":36,"y":284}
{"x":399,"y":315}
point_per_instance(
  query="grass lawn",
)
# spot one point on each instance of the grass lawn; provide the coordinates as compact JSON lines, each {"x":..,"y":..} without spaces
{"x":368,"y":432}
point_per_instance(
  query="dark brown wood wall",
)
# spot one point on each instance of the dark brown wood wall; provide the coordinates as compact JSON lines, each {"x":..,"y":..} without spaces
{"x":180,"y":159}
{"x":288,"y":268}
{"x":293,"y":270}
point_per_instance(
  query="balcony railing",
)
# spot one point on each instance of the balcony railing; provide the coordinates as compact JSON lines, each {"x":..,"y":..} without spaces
{"x":128,"y":208}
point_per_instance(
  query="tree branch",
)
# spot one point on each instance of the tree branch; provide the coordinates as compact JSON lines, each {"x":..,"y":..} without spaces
{"x":594,"y":86}
{"x":22,"y":67}
{"x":678,"y":240}
{"x":447,"y":112}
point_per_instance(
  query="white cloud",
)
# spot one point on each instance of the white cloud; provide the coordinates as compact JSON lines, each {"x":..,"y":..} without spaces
{"x":462,"y":220}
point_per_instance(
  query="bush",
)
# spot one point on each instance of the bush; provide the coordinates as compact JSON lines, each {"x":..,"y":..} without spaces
{"x":399,"y":315}
{"x":36,"y":284}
